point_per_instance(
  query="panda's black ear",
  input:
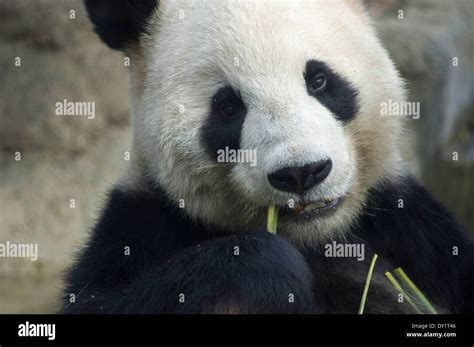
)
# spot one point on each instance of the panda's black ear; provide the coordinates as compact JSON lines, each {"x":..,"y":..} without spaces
{"x":118,"y":22}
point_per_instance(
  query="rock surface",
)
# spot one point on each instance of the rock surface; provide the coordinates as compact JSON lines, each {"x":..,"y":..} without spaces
{"x":433,"y":47}
{"x":62,"y":157}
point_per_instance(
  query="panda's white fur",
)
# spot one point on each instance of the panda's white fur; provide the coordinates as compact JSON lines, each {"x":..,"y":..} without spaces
{"x":260,"y":48}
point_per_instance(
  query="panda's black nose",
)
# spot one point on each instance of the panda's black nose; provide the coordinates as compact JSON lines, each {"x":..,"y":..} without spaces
{"x":299,"y":179}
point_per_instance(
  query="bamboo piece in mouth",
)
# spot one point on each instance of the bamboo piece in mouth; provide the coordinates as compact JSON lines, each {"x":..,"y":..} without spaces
{"x":272,"y":219}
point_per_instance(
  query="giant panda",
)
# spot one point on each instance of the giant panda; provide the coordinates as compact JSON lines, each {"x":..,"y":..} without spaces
{"x":301,"y":84}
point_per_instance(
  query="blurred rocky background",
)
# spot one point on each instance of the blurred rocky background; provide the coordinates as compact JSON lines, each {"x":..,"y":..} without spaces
{"x":64,"y":158}
{"x":432,"y":43}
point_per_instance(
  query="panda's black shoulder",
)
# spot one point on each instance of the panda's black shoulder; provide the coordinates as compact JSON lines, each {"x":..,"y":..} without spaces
{"x":402,"y":204}
{"x":406,"y":225}
{"x":135,"y":230}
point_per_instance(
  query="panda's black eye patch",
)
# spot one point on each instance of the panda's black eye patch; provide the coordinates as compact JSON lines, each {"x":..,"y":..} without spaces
{"x":331,"y":89}
{"x":223,"y":125}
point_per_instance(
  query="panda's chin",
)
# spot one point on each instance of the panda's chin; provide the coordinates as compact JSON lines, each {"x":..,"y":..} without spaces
{"x":307,"y":211}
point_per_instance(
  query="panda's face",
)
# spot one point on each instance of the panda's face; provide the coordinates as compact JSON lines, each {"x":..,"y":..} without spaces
{"x":239,"y":105}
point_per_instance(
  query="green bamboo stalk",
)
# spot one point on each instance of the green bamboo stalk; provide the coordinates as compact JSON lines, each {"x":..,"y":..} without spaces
{"x":367,"y":283}
{"x":403,"y":277}
{"x":399,"y":289}
{"x":272,"y":219}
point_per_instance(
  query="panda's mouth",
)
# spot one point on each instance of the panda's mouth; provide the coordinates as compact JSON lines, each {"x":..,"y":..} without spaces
{"x":308,"y":210}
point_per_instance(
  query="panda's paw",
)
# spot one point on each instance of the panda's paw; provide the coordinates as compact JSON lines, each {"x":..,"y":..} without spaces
{"x":252,"y":272}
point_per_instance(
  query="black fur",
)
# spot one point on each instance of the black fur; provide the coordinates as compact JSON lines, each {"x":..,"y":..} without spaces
{"x":420,"y":238}
{"x":120,"y":22}
{"x":170,"y":255}
{"x":339,"y":96}
{"x":219,"y":130}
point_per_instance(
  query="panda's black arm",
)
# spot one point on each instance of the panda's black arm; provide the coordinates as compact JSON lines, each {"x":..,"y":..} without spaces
{"x":146,"y":257}
{"x":267,"y":277}
{"x":404,"y":224}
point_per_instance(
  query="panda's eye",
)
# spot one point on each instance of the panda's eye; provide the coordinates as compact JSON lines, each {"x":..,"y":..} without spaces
{"x":318,"y":83}
{"x":228,"y":105}
{"x":229,"y":110}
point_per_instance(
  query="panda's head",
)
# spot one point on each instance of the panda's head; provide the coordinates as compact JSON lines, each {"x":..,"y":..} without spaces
{"x":291,"y":90}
